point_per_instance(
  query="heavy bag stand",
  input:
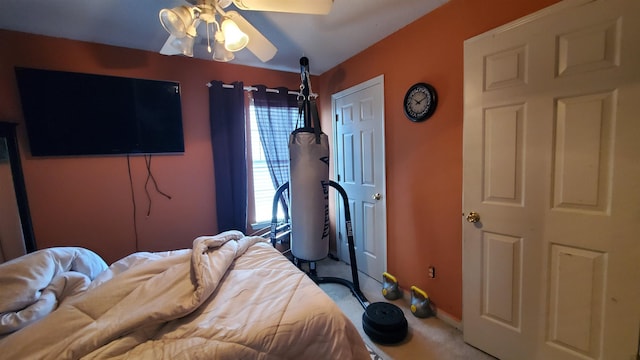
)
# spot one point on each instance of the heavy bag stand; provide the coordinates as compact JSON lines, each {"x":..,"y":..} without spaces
{"x":383,"y":322}
{"x":354,"y":285}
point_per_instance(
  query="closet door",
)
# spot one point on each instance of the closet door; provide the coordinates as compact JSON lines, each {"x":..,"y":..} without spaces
{"x":16,"y":234}
{"x":551,"y":173}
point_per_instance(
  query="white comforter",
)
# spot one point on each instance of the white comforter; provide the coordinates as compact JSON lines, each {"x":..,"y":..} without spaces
{"x":34,"y":285}
{"x":230,"y":297}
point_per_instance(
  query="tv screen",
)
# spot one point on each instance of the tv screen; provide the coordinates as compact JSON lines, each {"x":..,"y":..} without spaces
{"x":68,"y":113}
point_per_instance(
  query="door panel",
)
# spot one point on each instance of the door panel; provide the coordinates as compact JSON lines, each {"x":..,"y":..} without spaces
{"x":503,"y":151}
{"x":501,"y":267}
{"x":582,"y":157}
{"x":576,"y":305}
{"x":550,"y":164}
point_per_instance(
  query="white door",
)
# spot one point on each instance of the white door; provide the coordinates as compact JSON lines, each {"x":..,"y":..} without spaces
{"x":360,"y":170}
{"x":552,"y":167}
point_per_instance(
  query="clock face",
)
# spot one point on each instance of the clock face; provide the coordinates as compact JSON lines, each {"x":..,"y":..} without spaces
{"x":420,"y":102}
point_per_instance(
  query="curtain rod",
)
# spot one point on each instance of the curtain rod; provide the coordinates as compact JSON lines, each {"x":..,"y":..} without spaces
{"x":252,"y":88}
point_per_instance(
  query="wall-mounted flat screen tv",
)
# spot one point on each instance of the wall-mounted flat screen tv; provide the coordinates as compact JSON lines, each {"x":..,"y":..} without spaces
{"x":68,"y":113}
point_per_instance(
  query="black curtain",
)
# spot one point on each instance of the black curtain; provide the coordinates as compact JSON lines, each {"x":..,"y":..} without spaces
{"x":227,"y":118}
{"x":276,"y":115}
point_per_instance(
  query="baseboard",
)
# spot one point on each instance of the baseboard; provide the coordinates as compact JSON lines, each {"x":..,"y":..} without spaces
{"x":449,"y":319}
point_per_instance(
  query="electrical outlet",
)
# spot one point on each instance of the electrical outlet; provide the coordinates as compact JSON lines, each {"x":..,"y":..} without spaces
{"x":432,"y":272}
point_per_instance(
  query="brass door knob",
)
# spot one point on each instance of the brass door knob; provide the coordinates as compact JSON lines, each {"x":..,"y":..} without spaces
{"x":376,"y":196}
{"x":473,"y":217}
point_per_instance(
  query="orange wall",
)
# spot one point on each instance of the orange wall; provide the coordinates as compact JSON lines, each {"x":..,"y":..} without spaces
{"x":86,"y":201}
{"x":424,"y":160}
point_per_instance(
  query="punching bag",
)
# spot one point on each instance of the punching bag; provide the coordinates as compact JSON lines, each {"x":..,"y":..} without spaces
{"x":309,"y":181}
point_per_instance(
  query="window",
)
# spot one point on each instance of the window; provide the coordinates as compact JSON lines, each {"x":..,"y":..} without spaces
{"x":282,"y":121}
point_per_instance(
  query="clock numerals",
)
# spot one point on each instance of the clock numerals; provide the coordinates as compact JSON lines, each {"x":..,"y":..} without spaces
{"x":420,"y":102}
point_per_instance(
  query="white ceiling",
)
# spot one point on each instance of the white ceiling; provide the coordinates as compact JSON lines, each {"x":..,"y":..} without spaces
{"x":327,"y":40}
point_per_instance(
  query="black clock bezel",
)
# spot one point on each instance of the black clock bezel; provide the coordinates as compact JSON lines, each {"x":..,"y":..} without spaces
{"x":431,"y":108}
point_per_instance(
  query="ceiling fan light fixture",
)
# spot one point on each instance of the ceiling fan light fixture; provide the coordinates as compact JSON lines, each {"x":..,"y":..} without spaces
{"x":184,"y":45}
{"x":177,"y":20}
{"x":234,"y":38}
{"x":220,"y":52}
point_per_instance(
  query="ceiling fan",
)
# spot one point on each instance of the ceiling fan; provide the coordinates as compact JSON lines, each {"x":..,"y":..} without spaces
{"x":229,"y":31}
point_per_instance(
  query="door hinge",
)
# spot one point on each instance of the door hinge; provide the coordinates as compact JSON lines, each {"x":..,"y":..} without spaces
{"x":338,"y":177}
{"x":337,"y":118}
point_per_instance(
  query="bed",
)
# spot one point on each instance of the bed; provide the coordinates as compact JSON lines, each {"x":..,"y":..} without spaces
{"x":229,"y":297}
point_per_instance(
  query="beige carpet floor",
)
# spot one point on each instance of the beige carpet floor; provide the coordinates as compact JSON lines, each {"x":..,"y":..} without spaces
{"x":428,"y":339}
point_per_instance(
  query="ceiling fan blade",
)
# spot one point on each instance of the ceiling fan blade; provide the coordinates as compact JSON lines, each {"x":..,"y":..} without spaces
{"x":317,"y":7}
{"x":259,"y":45}
{"x":167,"y":49}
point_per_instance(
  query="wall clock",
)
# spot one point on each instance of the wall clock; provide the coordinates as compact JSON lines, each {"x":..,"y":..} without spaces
{"x":420,"y":102}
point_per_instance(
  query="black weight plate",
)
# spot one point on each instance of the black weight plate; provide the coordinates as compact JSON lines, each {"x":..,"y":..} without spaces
{"x":385,"y":337}
{"x":384,"y":323}
{"x":384,"y":316}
